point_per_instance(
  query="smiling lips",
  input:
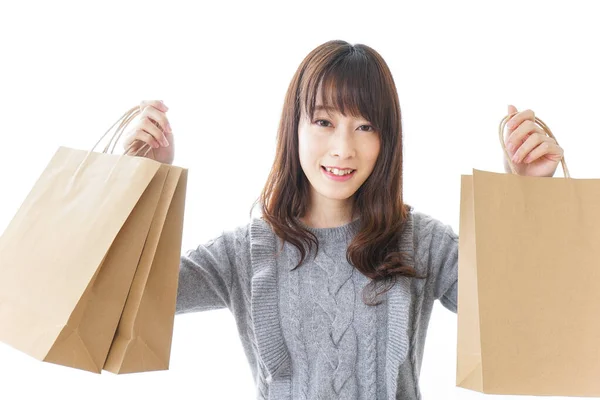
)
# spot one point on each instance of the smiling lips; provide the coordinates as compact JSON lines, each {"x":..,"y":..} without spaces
{"x":338,"y":176}
{"x":339,"y":171}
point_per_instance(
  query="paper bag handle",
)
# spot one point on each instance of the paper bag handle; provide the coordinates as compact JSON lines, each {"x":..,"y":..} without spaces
{"x":124,"y":122}
{"x":544,"y":128}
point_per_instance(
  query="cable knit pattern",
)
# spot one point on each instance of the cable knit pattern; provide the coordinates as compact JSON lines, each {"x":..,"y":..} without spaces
{"x":370,"y":359}
{"x":352,"y":351}
{"x":334,"y":294}
{"x":332,"y":339}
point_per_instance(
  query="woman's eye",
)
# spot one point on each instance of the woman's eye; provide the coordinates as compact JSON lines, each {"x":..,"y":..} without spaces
{"x":321,"y":120}
{"x":369,"y":128}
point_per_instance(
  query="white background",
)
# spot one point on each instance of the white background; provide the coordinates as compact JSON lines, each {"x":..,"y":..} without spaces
{"x":70,"y":69}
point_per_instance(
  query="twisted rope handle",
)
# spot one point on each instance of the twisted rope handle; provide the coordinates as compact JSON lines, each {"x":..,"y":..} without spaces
{"x":546,"y":131}
{"x":123,"y":123}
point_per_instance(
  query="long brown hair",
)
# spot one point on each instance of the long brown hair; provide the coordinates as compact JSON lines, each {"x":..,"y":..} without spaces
{"x":358,"y":80}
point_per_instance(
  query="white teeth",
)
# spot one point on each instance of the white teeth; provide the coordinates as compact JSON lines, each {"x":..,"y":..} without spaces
{"x":338,"y":172}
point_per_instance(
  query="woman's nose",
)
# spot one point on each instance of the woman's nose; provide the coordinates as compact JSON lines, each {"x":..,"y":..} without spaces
{"x":342,"y":144}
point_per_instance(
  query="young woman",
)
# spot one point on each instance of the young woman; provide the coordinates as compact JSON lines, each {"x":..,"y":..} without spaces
{"x":333,"y":287}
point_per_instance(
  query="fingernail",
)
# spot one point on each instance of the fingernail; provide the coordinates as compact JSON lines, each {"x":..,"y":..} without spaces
{"x":510,"y":147}
{"x":515,"y":158}
{"x":166,"y":143}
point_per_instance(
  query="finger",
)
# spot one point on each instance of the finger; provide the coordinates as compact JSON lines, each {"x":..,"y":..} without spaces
{"x":551,"y":149}
{"x":158,"y":104}
{"x":533,"y":141}
{"x":149,"y":125}
{"x":511,"y":110}
{"x":159,"y":117}
{"x":142,"y":136}
{"x":520,"y":134}
{"x":517,"y":119}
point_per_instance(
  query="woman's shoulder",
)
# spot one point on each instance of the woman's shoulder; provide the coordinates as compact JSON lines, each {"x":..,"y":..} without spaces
{"x":243,"y":233}
{"x":238,"y":234}
{"x":426,"y":225}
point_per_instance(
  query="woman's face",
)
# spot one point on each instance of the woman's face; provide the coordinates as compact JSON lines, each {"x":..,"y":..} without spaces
{"x":334,"y":140}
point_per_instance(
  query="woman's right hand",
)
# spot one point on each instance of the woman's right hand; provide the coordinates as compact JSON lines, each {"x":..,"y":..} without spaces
{"x":153,"y":129}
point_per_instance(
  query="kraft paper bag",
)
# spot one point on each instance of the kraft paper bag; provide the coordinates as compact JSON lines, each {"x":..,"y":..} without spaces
{"x":529,"y":284}
{"x":143,"y":338}
{"x":68,"y":257}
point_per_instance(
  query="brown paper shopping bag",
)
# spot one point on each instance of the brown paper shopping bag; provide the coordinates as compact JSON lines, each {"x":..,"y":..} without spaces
{"x":68,"y":257}
{"x":529,"y":284}
{"x":143,"y":338}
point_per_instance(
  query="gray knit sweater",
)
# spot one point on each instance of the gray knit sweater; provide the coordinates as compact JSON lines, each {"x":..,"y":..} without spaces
{"x":307,"y":333}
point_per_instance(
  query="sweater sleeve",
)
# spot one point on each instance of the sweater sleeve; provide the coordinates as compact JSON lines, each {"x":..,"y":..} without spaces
{"x":442,"y":248}
{"x":209,"y":273}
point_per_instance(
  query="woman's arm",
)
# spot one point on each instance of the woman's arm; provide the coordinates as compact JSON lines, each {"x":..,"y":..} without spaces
{"x":437,"y":247}
{"x":209,"y":274}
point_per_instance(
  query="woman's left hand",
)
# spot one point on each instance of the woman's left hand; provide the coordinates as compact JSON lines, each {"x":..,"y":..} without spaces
{"x":533,"y":152}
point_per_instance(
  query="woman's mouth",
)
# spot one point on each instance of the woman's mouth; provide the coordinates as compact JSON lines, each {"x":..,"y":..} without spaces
{"x":341,"y":176}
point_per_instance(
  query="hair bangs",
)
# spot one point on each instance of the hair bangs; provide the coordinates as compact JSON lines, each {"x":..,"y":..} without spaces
{"x":350,"y":86}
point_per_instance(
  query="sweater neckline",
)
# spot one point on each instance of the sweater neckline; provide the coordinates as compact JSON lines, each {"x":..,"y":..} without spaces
{"x":335,"y":232}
